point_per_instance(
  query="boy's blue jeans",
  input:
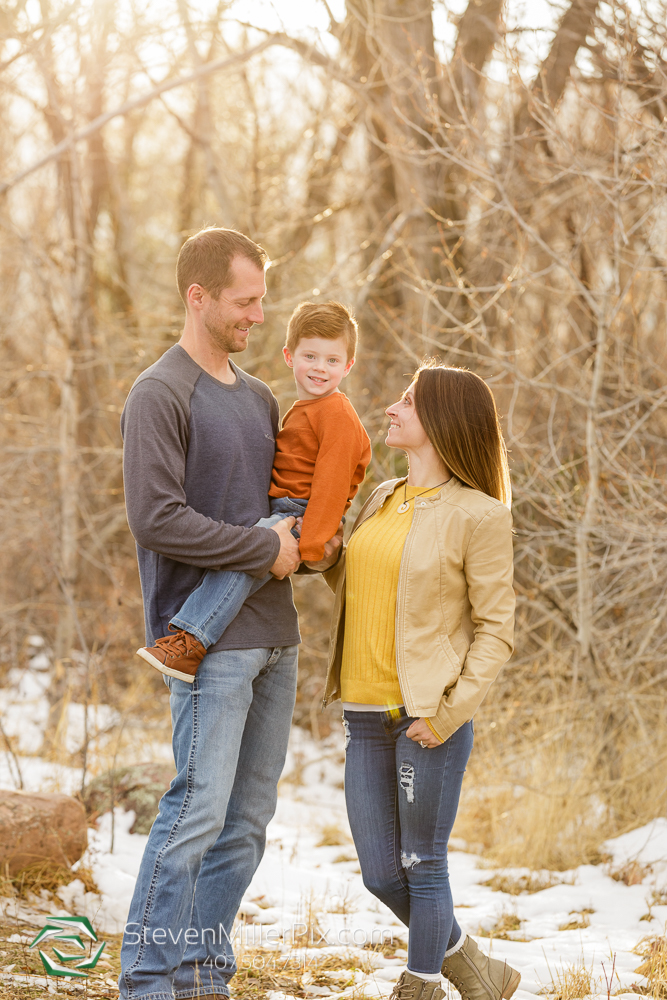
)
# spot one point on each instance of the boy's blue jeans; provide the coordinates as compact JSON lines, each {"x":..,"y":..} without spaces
{"x":231,"y":727}
{"x":219,"y":597}
{"x":402,"y":800}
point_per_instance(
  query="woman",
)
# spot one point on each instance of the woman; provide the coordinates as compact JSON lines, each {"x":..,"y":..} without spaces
{"x":423,"y":623}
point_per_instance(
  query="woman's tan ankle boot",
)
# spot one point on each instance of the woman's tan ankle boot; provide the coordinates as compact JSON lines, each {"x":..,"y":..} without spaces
{"x":478,"y":977}
{"x":411,"y":987}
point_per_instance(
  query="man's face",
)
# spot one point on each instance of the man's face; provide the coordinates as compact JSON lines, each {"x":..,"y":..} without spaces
{"x":229,"y":318}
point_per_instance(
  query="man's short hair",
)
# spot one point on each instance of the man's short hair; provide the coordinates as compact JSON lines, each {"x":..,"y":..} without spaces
{"x":206,"y":259}
{"x":329,"y":320}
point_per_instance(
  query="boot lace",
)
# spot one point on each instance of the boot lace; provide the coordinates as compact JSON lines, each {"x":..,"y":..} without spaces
{"x":460,"y":986}
{"x":177,"y":645}
{"x":405,"y":991}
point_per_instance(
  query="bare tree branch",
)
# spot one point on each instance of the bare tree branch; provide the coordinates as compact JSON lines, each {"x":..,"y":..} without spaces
{"x":138,"y":102}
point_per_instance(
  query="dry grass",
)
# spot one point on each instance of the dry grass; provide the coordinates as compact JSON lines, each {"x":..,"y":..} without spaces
{"x":571,"y":983}
{"x":259,"y":970}
{"x":580,"y":920}
{"x":386,"y":946}
{"x":344,"y":903}
{"x":653,"y":951}
{"x":333,"y":836}
{"x":47,"y":876}
{"x":308,"y":926}
{"x":504,"y":928}
{"x":97,"y":986}
{"x":345,"y":857}
{"x":549,"y":783}
{"x":7,"y":887}
{"x":632,"y":873}
{"x":657,"y":898}
{"x":518,"y":885}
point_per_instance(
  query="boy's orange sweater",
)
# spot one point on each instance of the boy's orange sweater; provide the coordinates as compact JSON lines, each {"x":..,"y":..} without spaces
{"x":322,"y":452}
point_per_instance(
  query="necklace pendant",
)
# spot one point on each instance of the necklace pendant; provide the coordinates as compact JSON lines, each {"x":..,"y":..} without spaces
{"x":403,"y":508}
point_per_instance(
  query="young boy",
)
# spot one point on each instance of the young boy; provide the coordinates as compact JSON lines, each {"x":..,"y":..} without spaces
{"x":322,"y":452}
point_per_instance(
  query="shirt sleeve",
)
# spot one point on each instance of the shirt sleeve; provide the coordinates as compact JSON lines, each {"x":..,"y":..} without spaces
{"x":155,"y":438}
{"x":343,"y":447}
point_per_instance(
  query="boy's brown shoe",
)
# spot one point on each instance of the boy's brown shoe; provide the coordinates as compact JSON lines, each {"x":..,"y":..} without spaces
{"x":178,"y":655}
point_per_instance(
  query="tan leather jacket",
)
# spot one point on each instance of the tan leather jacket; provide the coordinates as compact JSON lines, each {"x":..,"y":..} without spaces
{"x":454,"y":607}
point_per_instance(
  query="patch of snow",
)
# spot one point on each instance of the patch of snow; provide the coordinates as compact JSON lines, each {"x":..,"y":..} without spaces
{"x":25,"y":710}
{"x":40,"y":662}
{"x":101,"y":719}
{"x":304,"y":898}
{"x":40,"y":775}
{"x":647,"y":845}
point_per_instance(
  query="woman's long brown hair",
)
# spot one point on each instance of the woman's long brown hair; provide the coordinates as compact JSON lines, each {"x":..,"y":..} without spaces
{"x":458,"y":412}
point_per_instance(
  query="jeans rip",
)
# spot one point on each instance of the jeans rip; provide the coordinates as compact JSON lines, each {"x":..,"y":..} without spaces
{"x":407,"y":780}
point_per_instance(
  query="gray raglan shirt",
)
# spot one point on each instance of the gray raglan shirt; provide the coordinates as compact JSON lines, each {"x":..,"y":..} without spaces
{"x":197,"y":462}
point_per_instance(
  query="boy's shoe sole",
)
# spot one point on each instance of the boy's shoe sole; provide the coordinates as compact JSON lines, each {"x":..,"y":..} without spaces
{"x":145,"y":654}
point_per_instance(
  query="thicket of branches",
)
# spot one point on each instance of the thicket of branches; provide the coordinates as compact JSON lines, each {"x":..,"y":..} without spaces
{"x":510,"y":219}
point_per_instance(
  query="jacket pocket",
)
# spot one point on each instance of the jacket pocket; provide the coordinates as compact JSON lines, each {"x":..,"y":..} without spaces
{"x":450,"y":653}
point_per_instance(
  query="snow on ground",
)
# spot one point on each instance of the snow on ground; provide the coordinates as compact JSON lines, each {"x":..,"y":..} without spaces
{"x":310,"y":897}
{"x":25,"y":707}
{"x":305,"y":895}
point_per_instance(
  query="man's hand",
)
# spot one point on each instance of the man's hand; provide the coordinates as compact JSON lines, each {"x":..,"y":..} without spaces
{"x":330,"y":552}
{"x":288,"y":557}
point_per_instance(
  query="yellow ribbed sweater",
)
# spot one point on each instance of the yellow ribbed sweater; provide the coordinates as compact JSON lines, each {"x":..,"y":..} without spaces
{"x":372,"y":563}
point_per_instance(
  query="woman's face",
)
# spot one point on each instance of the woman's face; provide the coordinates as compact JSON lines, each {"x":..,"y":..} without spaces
{"x":405,"y":429}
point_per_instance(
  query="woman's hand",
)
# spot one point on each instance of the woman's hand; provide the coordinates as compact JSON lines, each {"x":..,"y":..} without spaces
{"x":421,"y":732}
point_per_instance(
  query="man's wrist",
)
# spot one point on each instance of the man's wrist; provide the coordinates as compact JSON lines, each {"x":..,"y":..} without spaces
{"x":272,"y":542}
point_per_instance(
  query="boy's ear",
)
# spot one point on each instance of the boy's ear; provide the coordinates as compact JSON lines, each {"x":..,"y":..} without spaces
{"x":288,"y":358}
{"x":348,"y":367}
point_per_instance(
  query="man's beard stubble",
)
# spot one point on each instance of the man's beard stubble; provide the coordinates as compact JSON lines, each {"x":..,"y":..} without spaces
{"x":223,"y":336}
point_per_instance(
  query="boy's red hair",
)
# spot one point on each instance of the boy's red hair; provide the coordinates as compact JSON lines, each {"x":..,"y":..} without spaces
{"x":330,"y":320}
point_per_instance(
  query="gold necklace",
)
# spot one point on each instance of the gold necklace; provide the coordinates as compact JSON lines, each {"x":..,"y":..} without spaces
{"x":402,"y":508}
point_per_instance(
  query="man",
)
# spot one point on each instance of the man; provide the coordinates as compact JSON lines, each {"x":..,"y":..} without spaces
{"x":199,"y":440}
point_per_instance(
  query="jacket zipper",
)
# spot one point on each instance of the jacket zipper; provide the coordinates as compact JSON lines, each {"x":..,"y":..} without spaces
{"x":371,"y":514}
{"x":400,"y":597}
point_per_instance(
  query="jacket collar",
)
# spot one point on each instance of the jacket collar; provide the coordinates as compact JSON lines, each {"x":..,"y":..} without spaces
{"x":387,"y":488}
{"x":384,"y":490}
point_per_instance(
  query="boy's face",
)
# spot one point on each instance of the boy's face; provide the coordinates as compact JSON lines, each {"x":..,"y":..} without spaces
{"x":319,"y":366}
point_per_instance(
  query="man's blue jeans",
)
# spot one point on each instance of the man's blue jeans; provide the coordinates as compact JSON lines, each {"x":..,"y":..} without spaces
{"x":218,"y":599}
{"x":230,"y":732}
{"x":402,"y":800}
